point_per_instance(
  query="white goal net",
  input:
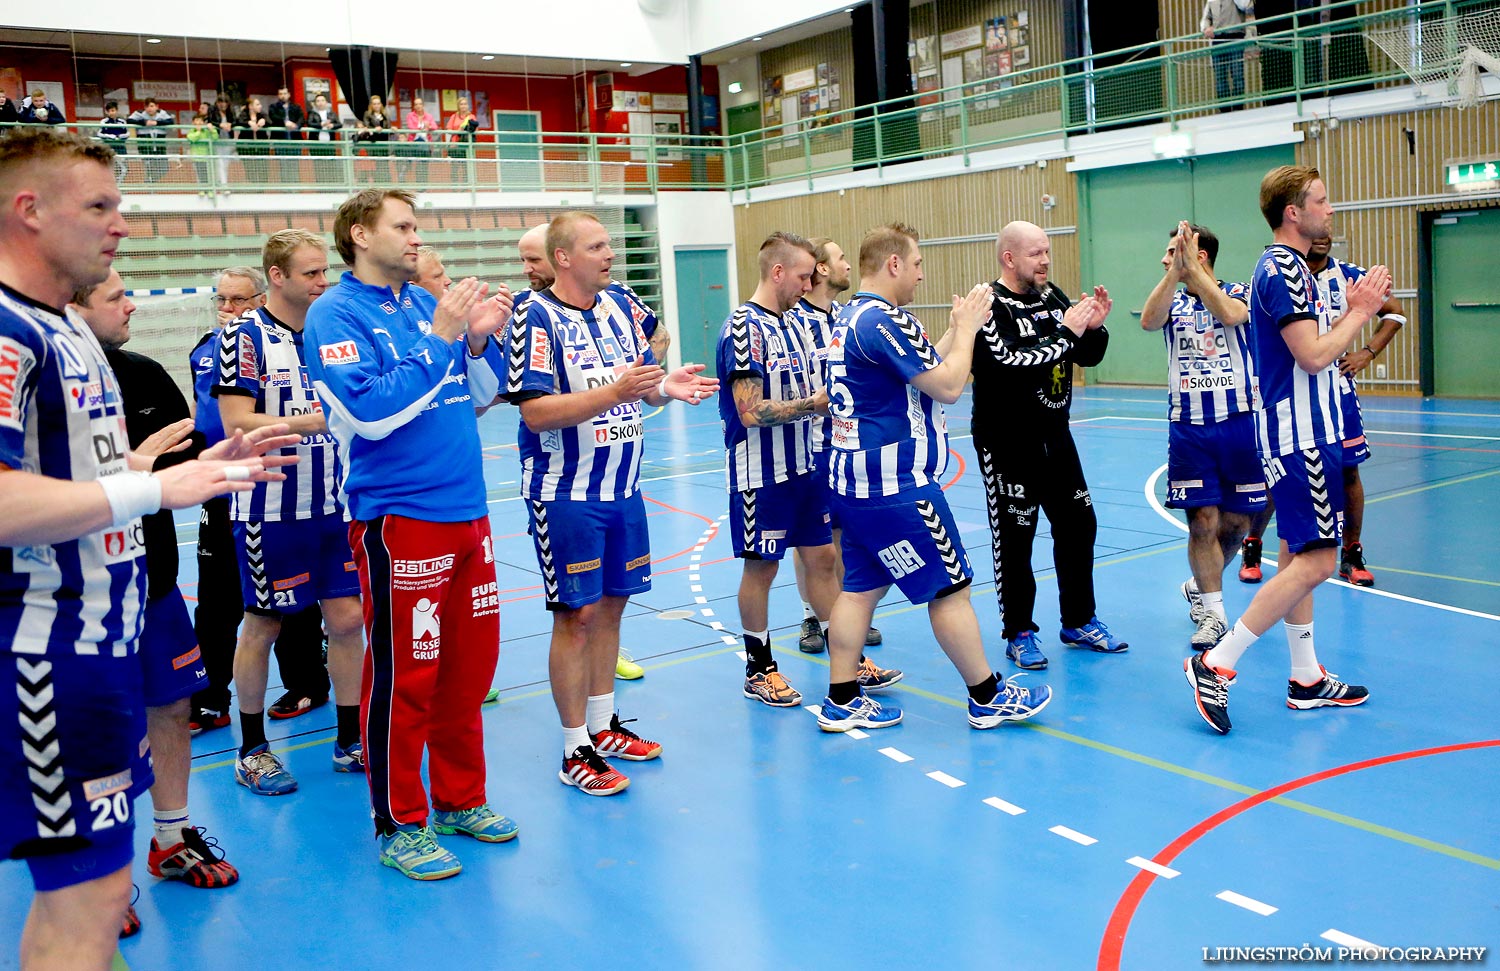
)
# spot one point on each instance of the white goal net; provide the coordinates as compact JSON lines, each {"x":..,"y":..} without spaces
{"x":1453,"y":49}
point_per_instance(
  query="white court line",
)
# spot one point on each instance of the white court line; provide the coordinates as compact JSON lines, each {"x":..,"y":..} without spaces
{"x":857,"y":733}
{"x":1348,"y":940}
{"x":700,"y":600}
{"x":946,"y":780}
{"x":706,"y":612}
{"x":1265,"y":560}
{"x":1248,"y":903}
{"x":812,"y":708}
{"x":727,"y":639}
{"x":1005,"y":807}
{"x":742,"y":656}
{"x":696,"y":588}
{"x":1072,"y":834}
{"x":1152,"y":867}
{"x":1368,"y":431}
{"x":716,"y":625}
{"x":895,"y":755}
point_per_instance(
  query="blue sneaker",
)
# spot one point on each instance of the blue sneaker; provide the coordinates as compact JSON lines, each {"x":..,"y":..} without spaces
{"x":481,"y":822}
{"x":351,"y":759}
{"x":1026,"y":651}
{"x":1012,"y":703}
{"x":862,"y":712}
{"x":1093,"y":635}
{"x":263,"y":774}
{"x":414,"y":850}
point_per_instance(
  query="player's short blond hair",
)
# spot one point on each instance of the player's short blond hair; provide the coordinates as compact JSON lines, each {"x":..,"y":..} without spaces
{"x":883,"y":242}
{"x":283,"y":243}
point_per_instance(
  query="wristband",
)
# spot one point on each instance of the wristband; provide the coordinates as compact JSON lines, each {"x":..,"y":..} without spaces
{"x":1368,"y":350}
{"x":1400,"y":319}
{"x":661,"y":389}
{"x":131,"y":495}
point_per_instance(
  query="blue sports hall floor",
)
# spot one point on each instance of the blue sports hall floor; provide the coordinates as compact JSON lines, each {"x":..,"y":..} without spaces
{"x":1114,"y":831}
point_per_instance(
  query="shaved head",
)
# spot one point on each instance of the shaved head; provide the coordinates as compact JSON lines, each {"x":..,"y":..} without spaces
{"x":534,"y":261}
{"x":1025,"y":256}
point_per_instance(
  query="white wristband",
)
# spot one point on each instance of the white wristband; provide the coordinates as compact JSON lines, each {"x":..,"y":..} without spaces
{"x":661,"y":389}
{"x":131,"y":495}
{"x":1398,"y":318}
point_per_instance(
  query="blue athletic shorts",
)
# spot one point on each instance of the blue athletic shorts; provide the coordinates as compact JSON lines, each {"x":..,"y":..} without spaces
{"x":171,"y":663}
{"x":1308,"y":487}
{"x":1215,"y":465}
{"x":820,"y":474}
{"x":79,"y":723}
{"x":764,"y":523}
{"x":589,"y":549}
{"x":286,"y":567}
{"x":909,"y":539}
{"x":1356,"y":449}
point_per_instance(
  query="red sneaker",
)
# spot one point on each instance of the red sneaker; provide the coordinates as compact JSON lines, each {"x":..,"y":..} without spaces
{"x":196,"y":861}
{"x":619,"y":742}
{"x":1250,"y":560}
{"x":204,"y":719}
{"x":586,"y":770}
{"x":1352,"y":566}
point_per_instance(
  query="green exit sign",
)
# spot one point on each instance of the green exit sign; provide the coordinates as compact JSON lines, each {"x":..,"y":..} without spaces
{"x":1471,"y":175}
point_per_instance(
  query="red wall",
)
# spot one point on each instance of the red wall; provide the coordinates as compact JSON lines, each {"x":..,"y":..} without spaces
{"x":556,"y":97}
{"x":667,"y":80}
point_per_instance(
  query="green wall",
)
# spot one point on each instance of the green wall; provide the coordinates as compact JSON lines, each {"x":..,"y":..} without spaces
{"x":1125,"y":214}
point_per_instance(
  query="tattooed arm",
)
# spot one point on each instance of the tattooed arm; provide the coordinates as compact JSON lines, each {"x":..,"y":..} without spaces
{"x":755,"y":410}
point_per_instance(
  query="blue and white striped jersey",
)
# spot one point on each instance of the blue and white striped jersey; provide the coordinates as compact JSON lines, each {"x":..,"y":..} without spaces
{"x":264,"y":359}
{"x":61,"y":416}
{"x":756,"y":344}
{"x":1210,"y":374}
{"x":1334,"y":281}
{"x":1297,"y":410}
{"x":819,"y":324}
{"x":888,"y":437}
{"x":554,"y":348}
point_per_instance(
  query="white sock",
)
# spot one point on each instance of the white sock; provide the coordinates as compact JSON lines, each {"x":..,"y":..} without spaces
{"x":1299,"y":640}
{"x":823,"y":626}
{"x":601,"y":709}
{"x":169,"y":824}
{"x":575,"y":739}
{"x":807,"y":611}
{"x":1214,"y":602}
{"x":1231,"y":647}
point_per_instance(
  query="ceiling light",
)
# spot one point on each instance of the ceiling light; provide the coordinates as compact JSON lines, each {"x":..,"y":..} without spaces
{"x":487,"y":57}
{"x":626,"y":64}
{"x":757,"y":38}
{"x":848,"y":10}
{"x":735,"y":87}
{"x":153,"y":40}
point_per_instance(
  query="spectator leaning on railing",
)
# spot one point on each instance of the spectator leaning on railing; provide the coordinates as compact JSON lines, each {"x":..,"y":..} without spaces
{"x":152,"y":126}
{"x":8,"y":113}
{"x":221,"y":118}
{"x":113,"y":131}
{"x":462,"y":123}
{"x":1225,"y":23}
{"x":37,"y":110}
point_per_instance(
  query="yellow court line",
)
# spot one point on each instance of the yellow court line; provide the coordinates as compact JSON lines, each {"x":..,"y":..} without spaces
{"x":1102,"y":747}
{"x":1435,"y":485}
{"x":1383,"y":568}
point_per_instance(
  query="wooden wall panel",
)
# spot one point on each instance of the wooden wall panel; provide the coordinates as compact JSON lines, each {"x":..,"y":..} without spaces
{"x":948,"y":212}
{"x":1380,"y":181}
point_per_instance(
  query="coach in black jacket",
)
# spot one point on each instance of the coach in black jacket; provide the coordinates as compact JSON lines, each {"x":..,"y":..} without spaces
{"x":1023,"y":387}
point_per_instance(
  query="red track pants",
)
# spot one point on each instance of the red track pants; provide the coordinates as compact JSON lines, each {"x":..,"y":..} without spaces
{"x":432,"y":622}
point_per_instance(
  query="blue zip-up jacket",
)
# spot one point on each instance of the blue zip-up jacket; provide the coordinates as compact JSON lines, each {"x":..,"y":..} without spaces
{"x":400,"y":402}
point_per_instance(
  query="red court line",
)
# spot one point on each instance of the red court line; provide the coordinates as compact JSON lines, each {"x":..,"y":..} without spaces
{"x":1113,"y":945}
{"x":962,"y":466}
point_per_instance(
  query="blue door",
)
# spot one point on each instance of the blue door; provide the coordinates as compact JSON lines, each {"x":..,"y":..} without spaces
{"x":702,"y":302}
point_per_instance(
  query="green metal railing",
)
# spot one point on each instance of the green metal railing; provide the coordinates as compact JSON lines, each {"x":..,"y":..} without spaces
{"x":1292,"y":58}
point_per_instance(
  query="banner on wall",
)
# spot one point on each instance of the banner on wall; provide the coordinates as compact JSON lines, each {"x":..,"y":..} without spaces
{"x":178,"y":91}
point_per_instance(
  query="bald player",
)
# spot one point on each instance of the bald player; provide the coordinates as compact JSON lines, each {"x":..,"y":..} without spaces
{"x":1023,"y":387}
